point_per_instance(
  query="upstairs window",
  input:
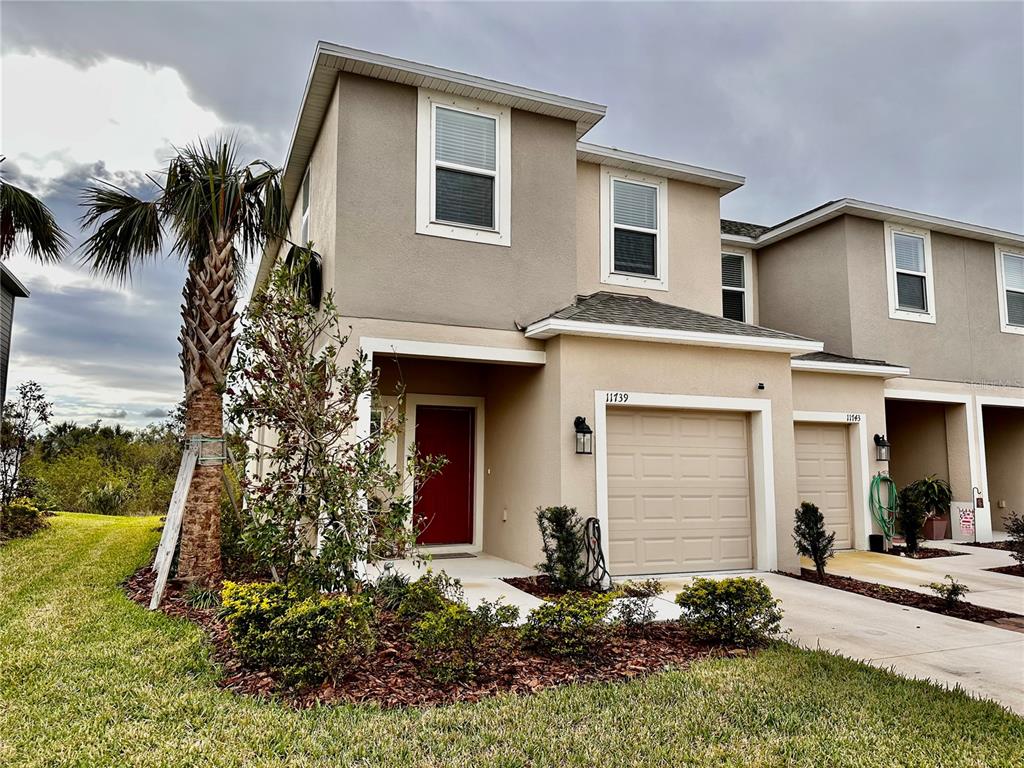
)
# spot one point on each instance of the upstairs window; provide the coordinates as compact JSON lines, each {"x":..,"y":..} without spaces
{"x":304,"y":228}
{"x":463,"y":185}
{"x":734,"y":287}
{"x":1010,"y":271}
{"x":633,"y":214}
{"x":909,"y":270}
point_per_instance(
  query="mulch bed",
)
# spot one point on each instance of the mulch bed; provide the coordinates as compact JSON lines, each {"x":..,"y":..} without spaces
{"x":1012,"y":570}
{"x":540,"y":586}
{"x":391,"y":677}
{"x":1003,"y":545}
{"x":923,"y":553}
{"x":908,"y":597}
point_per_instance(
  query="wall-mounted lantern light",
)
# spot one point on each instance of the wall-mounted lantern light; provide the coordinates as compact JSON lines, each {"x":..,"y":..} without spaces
{"x":584,"y":436}
{"x":881,"y":448}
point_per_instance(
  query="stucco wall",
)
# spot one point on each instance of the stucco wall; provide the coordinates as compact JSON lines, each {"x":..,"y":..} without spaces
{"x":917,"y":432}
{"x":387,"y":270}
{"x":964,"y":343}
{"x":802,"y":286}
{"x":694,"y":240}
{"x":1004,"y":456}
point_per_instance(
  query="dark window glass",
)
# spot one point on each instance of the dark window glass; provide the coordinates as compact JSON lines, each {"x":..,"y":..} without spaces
{"x":636,"y":252}
{"x":464,"y":198}
{"x":1015,"y":308}
{"x":911,"y":292}
{"x":732,"y":305}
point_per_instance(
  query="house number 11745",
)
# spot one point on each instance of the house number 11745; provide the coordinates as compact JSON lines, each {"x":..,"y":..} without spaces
{"x":616,"y":397}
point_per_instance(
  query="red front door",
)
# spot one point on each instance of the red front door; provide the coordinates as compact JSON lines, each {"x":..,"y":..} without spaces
{"x":444,"y":505}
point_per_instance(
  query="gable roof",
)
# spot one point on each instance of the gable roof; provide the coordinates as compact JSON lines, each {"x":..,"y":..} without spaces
{"x":617,"y":315}
{"x":849,"y":206}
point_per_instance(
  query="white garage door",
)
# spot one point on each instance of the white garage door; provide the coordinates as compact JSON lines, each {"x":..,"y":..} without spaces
{"x":678,"y":491}
{"x":823,"y":476}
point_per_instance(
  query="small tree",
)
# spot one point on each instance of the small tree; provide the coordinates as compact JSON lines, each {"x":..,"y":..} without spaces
{"x":1015,"y":533}
{"x":934,"y":494}
{"x":315,"y":504}
{"x":810,"y":537}
{"x":911,"y":514}
{"x":20,"y":419}
{"x":561,"y":533}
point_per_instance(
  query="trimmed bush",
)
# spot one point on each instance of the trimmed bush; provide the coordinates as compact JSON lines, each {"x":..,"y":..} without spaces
{"x":430,"y":592}
{"x":21,"y":518}
{"x":736,"y":611}
{"x":572,"y":625}
{"x":811,"y":539}
{"x":634,"y":604}
{"x":562,"y":540}
{"x":951,"y":593}
{"x":304,"y":639}
{"x":454,"y":642}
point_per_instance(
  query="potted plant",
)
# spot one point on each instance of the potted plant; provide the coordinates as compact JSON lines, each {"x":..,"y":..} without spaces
{"x":935,"y":495}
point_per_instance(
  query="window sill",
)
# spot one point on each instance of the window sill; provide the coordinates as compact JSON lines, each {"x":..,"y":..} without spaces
{"x":914,"y":317}
{"x":635,"y":281}
{"x":1016,"y":329}
{"x":466,"y":234}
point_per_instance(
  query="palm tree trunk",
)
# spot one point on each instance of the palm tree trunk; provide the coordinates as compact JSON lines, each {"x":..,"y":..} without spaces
{"x":207,"y":340}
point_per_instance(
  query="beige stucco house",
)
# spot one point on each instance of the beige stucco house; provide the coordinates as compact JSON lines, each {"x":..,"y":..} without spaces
{"x":518,"y":282}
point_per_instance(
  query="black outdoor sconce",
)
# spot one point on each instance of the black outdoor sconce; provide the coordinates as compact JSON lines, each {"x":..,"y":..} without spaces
{"x":881,"y":448}
{"x":584,"y":436}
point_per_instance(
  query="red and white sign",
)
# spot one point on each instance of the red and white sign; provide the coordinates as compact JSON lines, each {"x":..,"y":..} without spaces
{"x":961,"y":517}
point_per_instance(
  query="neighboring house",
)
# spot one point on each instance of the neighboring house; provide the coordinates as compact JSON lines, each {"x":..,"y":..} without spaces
{"x":521,"y":283}
{"x":10,"y":289}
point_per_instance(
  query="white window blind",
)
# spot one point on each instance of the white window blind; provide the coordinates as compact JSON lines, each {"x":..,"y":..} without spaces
{"x":911,"y":277}
{"x":1013,"y":286}
{"x":465,"y":147}
{"x":733,"y":287}
{"x":635,"y":221}
{"x":465,"y":139}
{"x":636,"y":205}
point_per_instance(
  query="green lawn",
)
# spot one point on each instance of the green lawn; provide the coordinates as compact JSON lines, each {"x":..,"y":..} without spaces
{"x":88,"y":678}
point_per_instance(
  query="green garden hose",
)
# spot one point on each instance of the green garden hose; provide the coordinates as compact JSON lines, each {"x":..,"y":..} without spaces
{"x":884,"y":512}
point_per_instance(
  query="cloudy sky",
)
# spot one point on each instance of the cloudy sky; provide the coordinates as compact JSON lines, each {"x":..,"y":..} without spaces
{"x":916,"y":105}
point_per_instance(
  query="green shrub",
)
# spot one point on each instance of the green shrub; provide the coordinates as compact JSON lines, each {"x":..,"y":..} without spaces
{"x":572,"y":625}
{"x":110,"y":498}
{"x":1015,"y":535}
{"x":634,"y":604}
{"x":303,"y":638}
{"x":455,"y":642}
{"x":811,"y":539}
{"x":390,"y":589}
{"x":198,"y":596}
{"x":562,"y":540}
{"x":430,"y":592}
{"x":951,"y":593}
{"x":20,"y":518}
{"x":911,"y":515}
{"x":735,"y":611}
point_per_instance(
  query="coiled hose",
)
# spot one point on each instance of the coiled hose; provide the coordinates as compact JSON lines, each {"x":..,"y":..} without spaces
{"x":884,"y":512}
{"x":597,"y":572}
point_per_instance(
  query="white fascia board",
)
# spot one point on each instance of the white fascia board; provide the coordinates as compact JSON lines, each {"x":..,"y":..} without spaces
{"x":887,"y":213}
{"x":545,"y":329}
{"x":739,"y":241}
{"x":630,"y":161}
{"x":445,"y":351}
{"x":853,"y":369}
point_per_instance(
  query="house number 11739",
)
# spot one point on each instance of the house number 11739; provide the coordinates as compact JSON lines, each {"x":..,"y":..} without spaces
{"x":616,"y":397}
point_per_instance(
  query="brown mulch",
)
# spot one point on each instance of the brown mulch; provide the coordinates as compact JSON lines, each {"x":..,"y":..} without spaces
{"x":1003,"y":545}
{"x":540,"y":586}
{"x":1012,"y":570}
{"x":391,"y":677}
{"x":923,"y":553}
{"x":908,"y":597}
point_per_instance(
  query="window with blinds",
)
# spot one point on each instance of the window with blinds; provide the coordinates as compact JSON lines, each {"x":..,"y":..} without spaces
{"x":465,"y":168}
{"x":635,"y":228}
{"x":734,"y":288}
{"x":1013,"y":288}
{"x":911,"y":272}
{"x":304,"y":228}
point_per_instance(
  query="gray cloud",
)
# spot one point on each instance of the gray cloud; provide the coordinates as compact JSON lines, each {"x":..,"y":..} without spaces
{"x":156,"y":413}
{"x":118,"y":413}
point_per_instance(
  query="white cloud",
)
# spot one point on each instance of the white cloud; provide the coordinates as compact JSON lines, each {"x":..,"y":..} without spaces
{"x":56,"y":114}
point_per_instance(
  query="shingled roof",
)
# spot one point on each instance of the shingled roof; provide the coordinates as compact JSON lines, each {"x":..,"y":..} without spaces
{"x":620,"y":309}
{"x":742,"y":228}
{"x":831,"y":357}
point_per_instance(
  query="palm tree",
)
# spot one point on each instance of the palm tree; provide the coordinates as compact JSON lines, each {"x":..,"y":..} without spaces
{"x":26,"y":221}
{"x":219,"y":212}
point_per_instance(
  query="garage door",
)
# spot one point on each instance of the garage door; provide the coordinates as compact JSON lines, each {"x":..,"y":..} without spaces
{"x":678,"y":491}
{"x":823,"y":476}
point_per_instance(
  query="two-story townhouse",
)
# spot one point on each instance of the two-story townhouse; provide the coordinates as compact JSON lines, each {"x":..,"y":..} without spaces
{"x":941,"y":297}
{"x":555,"y":315}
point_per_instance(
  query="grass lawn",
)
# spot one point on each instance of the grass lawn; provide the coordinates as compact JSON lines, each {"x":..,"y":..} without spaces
{"x":88,"y":678}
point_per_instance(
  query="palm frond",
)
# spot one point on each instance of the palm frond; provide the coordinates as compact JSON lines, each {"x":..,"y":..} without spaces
{"x":128,"y":230}
{"x":25,"y":221}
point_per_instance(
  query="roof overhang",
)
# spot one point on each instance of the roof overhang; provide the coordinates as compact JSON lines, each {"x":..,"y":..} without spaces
{"x":550,"y":327}
{"x":865,"y":210}
{"x":630,"y":161}
{"x":850,"y":369}
{"x":11,"y":283}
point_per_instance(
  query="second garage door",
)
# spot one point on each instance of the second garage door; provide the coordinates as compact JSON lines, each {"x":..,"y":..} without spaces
{"x":678,"y":491}
{"x":823,"y":476}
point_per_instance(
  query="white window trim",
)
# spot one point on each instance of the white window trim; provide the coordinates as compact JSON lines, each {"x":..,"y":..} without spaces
{"x":425,"y":224}
{"x":608,"y":275}
{"x":748,"y":289}
{"x":1004,"y":314}
{"x":306,"y":205}
{"x":895,"y":312}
